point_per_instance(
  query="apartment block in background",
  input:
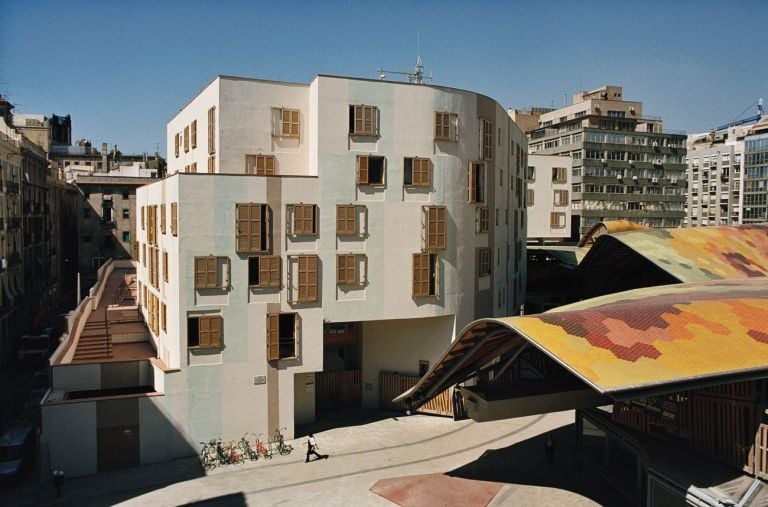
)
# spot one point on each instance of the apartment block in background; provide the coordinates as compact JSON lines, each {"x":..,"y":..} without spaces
{"x":624,"y":165}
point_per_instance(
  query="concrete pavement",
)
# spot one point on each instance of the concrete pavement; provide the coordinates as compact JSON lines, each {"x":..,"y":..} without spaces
{"x":508,"y":452}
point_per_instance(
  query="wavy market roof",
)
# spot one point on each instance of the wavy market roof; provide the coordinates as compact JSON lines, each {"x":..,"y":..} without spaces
{"x":671,"y":338}
{"x":692,"y":254}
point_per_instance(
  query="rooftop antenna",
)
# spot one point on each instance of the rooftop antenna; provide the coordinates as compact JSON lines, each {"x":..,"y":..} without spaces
{"x":415,"y":75}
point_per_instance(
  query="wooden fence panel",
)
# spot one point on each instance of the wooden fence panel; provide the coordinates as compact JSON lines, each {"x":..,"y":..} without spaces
{"x":338,"y":389}
{"x":392,"y":385}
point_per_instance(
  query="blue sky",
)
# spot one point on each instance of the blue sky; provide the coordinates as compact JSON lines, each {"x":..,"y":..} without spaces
{"x":123,"y":68}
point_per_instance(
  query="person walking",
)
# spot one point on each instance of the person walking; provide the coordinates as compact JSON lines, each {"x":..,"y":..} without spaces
{"x":312,"y":448}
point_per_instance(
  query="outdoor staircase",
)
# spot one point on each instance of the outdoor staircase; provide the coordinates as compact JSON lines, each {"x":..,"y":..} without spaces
{"x":94,"y":342}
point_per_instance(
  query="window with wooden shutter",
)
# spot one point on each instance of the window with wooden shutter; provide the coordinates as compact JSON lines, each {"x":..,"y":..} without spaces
{"x":176,"y":145}
{"x":529,"y":197}
{"x":560,"y":174}
{"x":193,"y":134}
{"x":253,"y":226}
{"x":346,"y":269}
{"x":434,"y":218}
{"x":162,"y":219}
{"x":143,"y":217}
{"x":307,"y":280}
{"x":193,"y":167}
{"x":282,"y":336}
{"x":186,"y":139}
{"x":561,"y":198}
{"x":347,"y":220}
{"x":260,"y":165}
{"x":483,"y":219}
{"x":207,"y":273}
{"x":476,"y":182}
{"x":370,"y":170}
{"x":442,"y":126}
{"x":290,"y":123}
{"x":487,"y":139}
{"x":557,"y":220}
{"x":363,"y":120}
{"x":424,"y":275}
{"x":304,"y":219}
{"x":174,"y":219}
{"x":204,"y":332}
{"x":212,"y":130}
{"x":264,"y":271}
{"x":484,"y":262}
{"x":211,"y":164}
{"x":416,"y":172}
{"x":165,"y":265}
{"x":163,"y":318}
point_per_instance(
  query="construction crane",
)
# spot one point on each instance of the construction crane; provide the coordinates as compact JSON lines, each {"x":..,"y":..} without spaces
{"x":751,"y":119}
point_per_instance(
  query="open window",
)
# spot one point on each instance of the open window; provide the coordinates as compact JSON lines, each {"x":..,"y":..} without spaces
{"x":557,"y":220}
{"x":253,"y":227}
{"x":370,"y":170}
{"x":476,"y":182}
{"x":283,"y":330}
{"x":425,"y":279}
{"x":416,"y":172}
{"x":363,"y":120}
{"x":561,"y":198}
{"x":264,"y":271}
{"x":302,"y":219}
{"x":204,"y":332}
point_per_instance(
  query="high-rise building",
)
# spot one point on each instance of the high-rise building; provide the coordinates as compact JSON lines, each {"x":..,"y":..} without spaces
{"x":756,"y":173}
{"x":624,"y":165}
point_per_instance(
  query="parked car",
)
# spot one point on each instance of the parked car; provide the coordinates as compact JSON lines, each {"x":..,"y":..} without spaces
{"x":17,"y":452}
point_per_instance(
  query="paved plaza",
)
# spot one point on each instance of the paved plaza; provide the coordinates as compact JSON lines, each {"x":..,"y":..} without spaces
{"x":376,"y":458}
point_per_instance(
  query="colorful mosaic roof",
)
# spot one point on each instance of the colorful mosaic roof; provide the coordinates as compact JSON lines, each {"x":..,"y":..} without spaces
{"x":703,"y":253}
{"x":631,"y":340}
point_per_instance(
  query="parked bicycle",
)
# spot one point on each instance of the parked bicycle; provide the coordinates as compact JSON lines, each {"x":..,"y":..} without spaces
{"x":233,"y":453}
{"x":279,"y":441}
{"x":262,"y":449}
{"x":246,"y":449}
{"x":208,"y":455}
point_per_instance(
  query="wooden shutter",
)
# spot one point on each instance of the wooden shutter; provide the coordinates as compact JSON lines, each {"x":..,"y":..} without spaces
{"x":436,"y":227}
{"x":203,"y":332}
{"x":194,"y":133}
{"x":273,"y":337}
{"x":307,"y":278}
{"x":200,"y":272}
{"x":472,"y":182}
{"x":249,"y":226}
{"x":269,"y":271}
{"x":362,"y":169}
{"x":165,"y":266}
{"x":176,"y":145}
{"x":304,"y":219}
{"x":212,"y":130}
{"x":162,"y":218}
{"x":215,"y":330}
{"x":420,"y":172}
{"x":346,"y":220}
{"x":186,"y":139}
{"x":346,"y":269}
{"x":211,"y":273}
{"x":290,"y":122}
{"x":174,"y":218}
{"x":420,"y":274}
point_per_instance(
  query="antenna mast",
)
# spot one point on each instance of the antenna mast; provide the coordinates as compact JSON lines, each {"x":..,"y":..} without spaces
{"x":415,"y":75}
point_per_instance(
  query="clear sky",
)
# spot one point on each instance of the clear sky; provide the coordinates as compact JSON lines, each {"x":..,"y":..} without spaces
{"x":123,"y":68}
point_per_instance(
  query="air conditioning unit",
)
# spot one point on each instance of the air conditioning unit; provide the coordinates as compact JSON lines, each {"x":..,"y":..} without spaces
{"x":631,"y":162}
{"x":619,"y":177}
{"x":655,"y":180}
{"x":603,"y":161}
{"x":634,"y":178}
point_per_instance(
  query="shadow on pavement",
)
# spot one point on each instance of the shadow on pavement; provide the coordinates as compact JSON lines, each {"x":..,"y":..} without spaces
{"x":527,"y":463}
{"x":344,"y":417}
{"x":233,"y":500}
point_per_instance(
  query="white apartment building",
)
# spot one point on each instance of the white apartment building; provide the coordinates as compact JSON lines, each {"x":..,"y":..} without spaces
{"x":342,"y":225}
{"x":548,"y":197}
{"x":715,"y":182}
